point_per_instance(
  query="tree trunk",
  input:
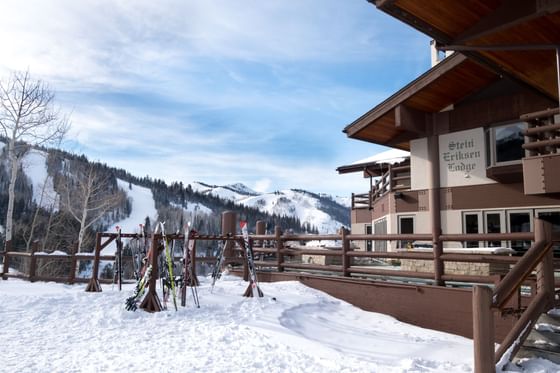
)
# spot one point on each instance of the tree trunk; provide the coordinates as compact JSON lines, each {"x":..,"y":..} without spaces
{"x":11,"y":191}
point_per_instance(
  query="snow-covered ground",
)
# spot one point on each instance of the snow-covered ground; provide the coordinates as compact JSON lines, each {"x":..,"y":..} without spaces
{"x":49,"y":327}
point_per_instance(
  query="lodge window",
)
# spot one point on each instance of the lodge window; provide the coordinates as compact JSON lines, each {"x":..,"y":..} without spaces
{"x":368,"y":242}
{"x":504,"y":144}
{"x":500,"y":221}
{"x":380,"y":227}
{"x":406,"y":226}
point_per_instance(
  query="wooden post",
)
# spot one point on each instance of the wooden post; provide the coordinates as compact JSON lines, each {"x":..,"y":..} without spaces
{"x":435,"y":208}
{"x":345,"y":248}
{"x":260,"y":229}
{"x":151,"y":302}
{"x":73,"y":265}
{"x":93,"y":285}
{"x":279,"y":248}
{"x":483,"y":330}
{"x":229,"y":219}
{"x":33,"y":261}
{"x":545,"y":269}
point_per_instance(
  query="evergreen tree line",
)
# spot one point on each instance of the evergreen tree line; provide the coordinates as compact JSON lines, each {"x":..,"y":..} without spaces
{"x":56,"y":228}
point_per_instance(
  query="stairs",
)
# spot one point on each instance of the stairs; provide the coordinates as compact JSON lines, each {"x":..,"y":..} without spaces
{"x":544,"y":339}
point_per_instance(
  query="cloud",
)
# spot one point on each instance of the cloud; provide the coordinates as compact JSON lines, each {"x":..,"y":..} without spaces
{"x":211,"y":90}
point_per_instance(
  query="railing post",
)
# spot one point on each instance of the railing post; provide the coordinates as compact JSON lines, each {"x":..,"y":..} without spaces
{"x":345,"y":249}
{"x":73,"y":265}
{"x":545,"y":269}
{"x":279,"y":248}
{"x":483,"y":330}
{"x":33,"y":262}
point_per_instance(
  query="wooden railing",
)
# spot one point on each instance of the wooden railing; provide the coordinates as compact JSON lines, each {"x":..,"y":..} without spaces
{"x":542,"y":135}
{"x":31,"y":271}
{"x":278,"y":252}
{"x":397,"y":178}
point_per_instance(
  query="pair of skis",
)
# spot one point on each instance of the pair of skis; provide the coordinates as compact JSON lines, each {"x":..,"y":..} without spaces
{"x":188,"y":278}
{"x":253,"y":290}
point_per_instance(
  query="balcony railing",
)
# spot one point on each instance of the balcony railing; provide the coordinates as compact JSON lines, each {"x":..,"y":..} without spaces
{"x":542,"y":136}
{"x":397,"y":178}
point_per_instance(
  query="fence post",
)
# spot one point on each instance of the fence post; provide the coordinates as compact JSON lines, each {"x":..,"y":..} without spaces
{"x":33,"y":262}
{"x":345,"y":249}
{"x":545,"y":269}
{"x":73,"y":265}
{"x":151,"y":302}
{"x":483,"y":330}
{"x":279,"y":248}
{"x":93,"y":285}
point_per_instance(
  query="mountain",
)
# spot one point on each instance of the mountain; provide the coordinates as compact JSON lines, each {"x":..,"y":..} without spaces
{"x":46,"y":172}
{"x":318,"y":212}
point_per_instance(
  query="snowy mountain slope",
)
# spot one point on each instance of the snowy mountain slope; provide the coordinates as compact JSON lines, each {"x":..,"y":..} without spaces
{"x":316,"y":210}
{"x":232,"y":192}
{"x":34,"y":165}
{"x":142,"y":206}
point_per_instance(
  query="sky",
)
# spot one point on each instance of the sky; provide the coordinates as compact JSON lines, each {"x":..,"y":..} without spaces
{"x":218,"y":91}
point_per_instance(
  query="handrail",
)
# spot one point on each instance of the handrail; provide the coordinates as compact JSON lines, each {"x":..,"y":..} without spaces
{"x":485,"y":300}
{"x":519,"y":273}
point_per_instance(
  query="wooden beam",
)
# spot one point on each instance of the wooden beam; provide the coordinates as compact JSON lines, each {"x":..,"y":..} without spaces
{"x":408,"y":91}
{"x":510,"y":13}
{"x":409,"y":119}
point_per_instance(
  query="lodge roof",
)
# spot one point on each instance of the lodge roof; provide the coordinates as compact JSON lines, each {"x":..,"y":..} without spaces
{"x":497,"y":38}
{"x":374,"y":165}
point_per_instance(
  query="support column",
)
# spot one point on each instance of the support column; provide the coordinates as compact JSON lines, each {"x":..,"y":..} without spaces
{"x":483,"y":330}
{"x":435,"y":208}
{"x":545,"y":269}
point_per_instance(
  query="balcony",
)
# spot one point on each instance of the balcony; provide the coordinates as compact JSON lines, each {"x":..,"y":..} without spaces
{"x":542,"y":144}
{"x":396,"y":179}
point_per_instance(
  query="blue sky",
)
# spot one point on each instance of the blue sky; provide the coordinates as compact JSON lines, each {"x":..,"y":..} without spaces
{"x":218,"y":91}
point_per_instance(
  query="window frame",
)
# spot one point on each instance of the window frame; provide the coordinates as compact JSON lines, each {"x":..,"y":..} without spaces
{"x":490,"y":139}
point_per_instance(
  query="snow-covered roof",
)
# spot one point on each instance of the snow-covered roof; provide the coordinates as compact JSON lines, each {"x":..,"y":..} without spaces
{"x":391,"y":156}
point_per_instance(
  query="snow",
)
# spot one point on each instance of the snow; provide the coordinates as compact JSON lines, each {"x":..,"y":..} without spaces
{"x":194,"y":209}
{"x":35,"y":168}
{"x":291,"y":203}
{"x":303,"y":330}
{"x":50,"y":327}
{"x":391,"y":156}
{"x":143,"y":205}
{"x":295,"y":204}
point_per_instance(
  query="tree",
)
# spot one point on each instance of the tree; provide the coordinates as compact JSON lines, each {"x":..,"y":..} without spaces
{"x":88,"y":198}
{"x":27,"y":117}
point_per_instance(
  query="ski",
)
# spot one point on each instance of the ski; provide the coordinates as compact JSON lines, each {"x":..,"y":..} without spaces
{"x":253,"y":283}
{"x":145,"y":274}
{"x":189,"y":278}
{"x":132,"y":301}
{"x":169,"y":258}
{"x":217,"y":270}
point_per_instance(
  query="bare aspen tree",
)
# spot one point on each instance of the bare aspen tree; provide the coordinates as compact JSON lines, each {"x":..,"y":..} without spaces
{"x":89,"y":200}
{"x":27,"y":117}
